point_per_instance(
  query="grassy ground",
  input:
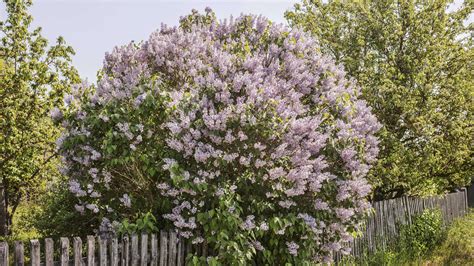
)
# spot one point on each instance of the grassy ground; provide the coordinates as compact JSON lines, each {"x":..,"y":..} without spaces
{"x":458,"y":247}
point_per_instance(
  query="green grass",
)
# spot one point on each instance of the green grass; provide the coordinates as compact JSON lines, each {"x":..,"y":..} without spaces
{"x":458,"y":247}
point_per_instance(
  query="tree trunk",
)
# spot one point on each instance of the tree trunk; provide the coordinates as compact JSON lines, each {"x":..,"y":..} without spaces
{"x":3,"y":212}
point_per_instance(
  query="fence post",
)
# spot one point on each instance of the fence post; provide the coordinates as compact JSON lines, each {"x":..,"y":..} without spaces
{"x":35,"y":252}
{"x":77,"y":251}
{"x":408,"y":210}
{"x":144,"y":250}
{"x":64,"y":251}
{"x":102,"y":251}
{"x":135,"y":253}
{"x":125,"y":251}
{"x":163,"y":248}
{"x":154,"y":250}
{"x":4,"y":253}
{"x":114,"y":258}
{"x":19,"y":254}
{"x":49,"y":251}
{"x":466,"y":201}
{"x":180,"y":260}
{"x":172,"y":248}
{"x":90,"y":251}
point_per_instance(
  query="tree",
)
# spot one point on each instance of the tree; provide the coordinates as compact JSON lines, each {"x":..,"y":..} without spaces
{"x":238,"y":133}
{"x":34,"y":79}
{"x":414,"y":62}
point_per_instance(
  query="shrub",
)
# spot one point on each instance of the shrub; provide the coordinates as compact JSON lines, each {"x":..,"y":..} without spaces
{"x":56,"y":216}
{"x":145,"y":223}
{"x":22,"y":227}
{"x":421,"y":237}
{"x":239,"y":131}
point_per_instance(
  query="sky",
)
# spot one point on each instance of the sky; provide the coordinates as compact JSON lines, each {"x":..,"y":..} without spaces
{"x":94,"y":27}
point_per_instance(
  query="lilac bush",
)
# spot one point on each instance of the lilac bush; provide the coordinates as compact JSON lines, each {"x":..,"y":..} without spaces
{"x":238,"y":133}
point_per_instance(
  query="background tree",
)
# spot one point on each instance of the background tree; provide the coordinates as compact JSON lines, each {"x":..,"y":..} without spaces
{"x":34,"y":79}
{"x":414,"y":62}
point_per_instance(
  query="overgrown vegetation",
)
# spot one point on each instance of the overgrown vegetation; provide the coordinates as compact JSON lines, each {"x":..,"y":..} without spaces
{"x":144,"y":222}
{"x":56,"y":216}
{"x":419,"y":239}
{"x":427,"y":242}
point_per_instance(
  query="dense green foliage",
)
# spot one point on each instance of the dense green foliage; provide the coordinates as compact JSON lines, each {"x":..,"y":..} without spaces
{"x":414,"y":61}
{"x":34,"y":79}
{"x":145,"y":222}
{"x":55,"y":215}
{"x":419,"y":238}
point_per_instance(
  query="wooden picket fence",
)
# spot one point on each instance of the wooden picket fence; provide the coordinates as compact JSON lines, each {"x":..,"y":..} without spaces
{"x":167,"y":249}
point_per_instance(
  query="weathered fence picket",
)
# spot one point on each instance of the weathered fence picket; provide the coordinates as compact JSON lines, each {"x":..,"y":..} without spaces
{"x":154,"y":250}
{"x":90,"y":251}
{"x":167,"y":249}
{"x":114,"y":253}
{"x":125,"y":251}
{"x":4,"y":252}
{"x":135,"y":253}
{"x":19,"y":254}
{"x":163,"y":248}
{"x":64,"y":251}
{"x":102,"y":251}
{"x":35,"y":252}
{"x":144,"y":250}
{"x":77,"y":251}
{"x":49,"y":251}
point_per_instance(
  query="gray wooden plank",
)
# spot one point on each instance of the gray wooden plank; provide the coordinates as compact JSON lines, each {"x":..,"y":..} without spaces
{"x":135,"y":252}
{"x":49,"y":252}
{"x":102,"y":250}
{"x":77,"y":251}
{"x":35,"y":252}
{"x":172,"y":248}
{"x":180,"y":252}
{"x":4,"y":253}
{"x":125,"y":251}
{"x":90,"y":251}
{"x":114,"y":252}
{"x":144,"y":250}
{"x":163,"y":248}
{"x":19,"y":253}
{"x":64,"y":251}
{"x":154,"y":250}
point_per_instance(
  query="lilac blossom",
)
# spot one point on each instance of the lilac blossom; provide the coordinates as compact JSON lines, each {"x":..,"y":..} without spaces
{"x":126,"y":201}
{"x":257,"y":245}
{"x":56,"y":114}
{"x":292,"y":248}
{"x":249,"y":223}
